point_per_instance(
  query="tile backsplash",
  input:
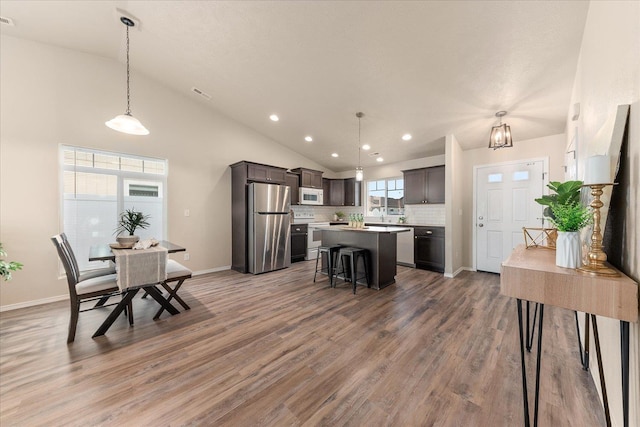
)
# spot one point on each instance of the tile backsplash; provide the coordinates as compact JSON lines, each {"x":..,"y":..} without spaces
{"x":415,"y":214}
{"x":425,"y":214}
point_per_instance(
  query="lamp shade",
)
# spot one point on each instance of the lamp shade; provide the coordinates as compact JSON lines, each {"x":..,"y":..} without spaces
{"x":126,"y":123}
{"x":500,"y":136}
{"x":359,"y":174}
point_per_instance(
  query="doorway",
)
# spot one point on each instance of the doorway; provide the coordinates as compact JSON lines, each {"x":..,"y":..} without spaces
{"x":504,"y":202}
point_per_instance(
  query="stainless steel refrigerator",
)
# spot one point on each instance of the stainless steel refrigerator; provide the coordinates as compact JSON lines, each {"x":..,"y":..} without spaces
{"x":269,"y":227}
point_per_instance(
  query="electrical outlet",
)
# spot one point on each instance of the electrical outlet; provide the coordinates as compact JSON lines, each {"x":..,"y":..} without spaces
{"x":186,"y":256}
{"x":186,"y":212}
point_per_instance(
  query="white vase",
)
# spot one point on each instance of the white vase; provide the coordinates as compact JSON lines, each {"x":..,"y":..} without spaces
{"x":568,"y":249}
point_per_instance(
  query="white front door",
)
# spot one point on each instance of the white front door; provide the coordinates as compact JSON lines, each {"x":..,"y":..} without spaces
{"x":505,"y":203}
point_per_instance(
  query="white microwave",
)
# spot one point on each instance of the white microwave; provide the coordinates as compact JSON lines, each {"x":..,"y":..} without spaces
{"x":310,"y":196}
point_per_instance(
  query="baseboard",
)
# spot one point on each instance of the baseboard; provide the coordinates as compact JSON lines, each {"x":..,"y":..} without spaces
{"x":458,"y":271}
{"x":211,"y":270}
{"x":33,"y":303}
{"x":65,"y":297}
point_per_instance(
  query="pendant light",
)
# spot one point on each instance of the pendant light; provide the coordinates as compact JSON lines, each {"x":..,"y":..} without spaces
{"x":359,"y":171}
{"x":126,"y":123}
{"x":501,"y":134}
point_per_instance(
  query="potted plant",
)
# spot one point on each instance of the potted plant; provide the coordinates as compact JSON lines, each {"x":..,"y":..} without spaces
{"x":6,"y":267}
{"x":129,"y":221}
{"x":569,"y":219}
{"x":563,"y":193}
{"x":339,"y":216}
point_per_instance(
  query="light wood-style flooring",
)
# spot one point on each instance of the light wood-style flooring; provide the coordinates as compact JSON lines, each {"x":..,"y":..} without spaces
{"x":279,"y":350}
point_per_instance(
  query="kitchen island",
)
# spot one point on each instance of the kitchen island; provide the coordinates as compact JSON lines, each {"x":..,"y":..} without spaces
{"x":381,"y":243}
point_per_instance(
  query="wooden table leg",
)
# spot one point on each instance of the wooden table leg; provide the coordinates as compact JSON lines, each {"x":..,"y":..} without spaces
{"x":124,"y":302}
{"x":156,"y":295}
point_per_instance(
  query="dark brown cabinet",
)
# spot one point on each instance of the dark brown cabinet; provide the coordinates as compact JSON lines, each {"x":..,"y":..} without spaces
{"x":326,"y":191}
{"x":428,"y":248}
{"x":309,"y":177}
{"x":352,"y":192}
{"x":336,"y":195}
{"x":341,"y":192}
{"x":293,"y":182}
{"x":265,"y":173}
{"x":424,"y":186}
{"x":298,"y":242}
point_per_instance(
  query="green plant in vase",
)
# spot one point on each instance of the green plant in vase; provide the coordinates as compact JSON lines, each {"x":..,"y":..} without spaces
{"x":6,"y":267}
{"x":563,"y":193}
{"x":570,"y":217}
{"x":130,"y":220}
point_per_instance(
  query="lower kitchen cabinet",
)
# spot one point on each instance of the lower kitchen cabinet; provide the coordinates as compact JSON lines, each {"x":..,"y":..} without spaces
{"x":429,"y":248}
{"x":298,"y":242}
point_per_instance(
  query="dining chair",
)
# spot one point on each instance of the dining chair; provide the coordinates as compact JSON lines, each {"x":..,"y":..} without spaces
{"x":178,"y":273}
{"x":98,"y":285}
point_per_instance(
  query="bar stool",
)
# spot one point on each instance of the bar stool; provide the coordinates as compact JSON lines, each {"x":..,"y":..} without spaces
{"x":353,"y":254}
{"x":330,"y":252}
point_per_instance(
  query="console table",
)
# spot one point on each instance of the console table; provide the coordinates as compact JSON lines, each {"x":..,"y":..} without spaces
{"x":532,"y":275}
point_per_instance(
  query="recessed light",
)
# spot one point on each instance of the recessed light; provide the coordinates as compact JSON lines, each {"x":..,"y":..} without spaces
{"x":406,"y":137}
{"x":274,"y":118}
{"x":334,"y":154}
{"x":366,"y":147}
{"x":308,"y":138}
{"x":379,"y":159}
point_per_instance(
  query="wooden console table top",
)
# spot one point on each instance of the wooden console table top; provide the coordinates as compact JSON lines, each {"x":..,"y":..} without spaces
{"x":532,"y":275}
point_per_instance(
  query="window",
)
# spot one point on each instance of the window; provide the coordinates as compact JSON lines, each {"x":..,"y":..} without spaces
{"x":385,"y":197}
{"x":97,"y":186}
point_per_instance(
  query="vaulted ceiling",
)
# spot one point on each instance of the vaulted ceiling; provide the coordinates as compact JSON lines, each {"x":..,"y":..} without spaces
{"x":425,"y":68}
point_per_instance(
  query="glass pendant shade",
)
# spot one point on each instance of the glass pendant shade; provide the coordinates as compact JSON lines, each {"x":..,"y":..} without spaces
{"x":359,"y":174}
{"x":126,"y":123}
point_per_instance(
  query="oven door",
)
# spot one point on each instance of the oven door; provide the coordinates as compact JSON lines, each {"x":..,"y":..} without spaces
{"x":314,"y":239}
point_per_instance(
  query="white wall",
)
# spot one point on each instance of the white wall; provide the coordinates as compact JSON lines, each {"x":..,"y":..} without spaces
{"x":608,"y":75}
{"x":455,"y":196}
{"x":51,"y":96}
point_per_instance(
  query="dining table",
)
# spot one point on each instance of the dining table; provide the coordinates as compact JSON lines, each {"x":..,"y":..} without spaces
{"x":105,"y":253}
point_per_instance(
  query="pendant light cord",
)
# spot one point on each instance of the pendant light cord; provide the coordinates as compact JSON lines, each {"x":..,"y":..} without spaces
{"x":359,"y":144}
{"x":128,"y":94}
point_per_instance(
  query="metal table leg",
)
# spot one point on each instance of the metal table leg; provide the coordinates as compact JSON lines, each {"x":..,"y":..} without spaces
{"x":525,"y":396}
{"x":624,"y":351}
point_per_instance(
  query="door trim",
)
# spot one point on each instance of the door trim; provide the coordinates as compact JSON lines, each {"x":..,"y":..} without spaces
{"x":545,"y":181}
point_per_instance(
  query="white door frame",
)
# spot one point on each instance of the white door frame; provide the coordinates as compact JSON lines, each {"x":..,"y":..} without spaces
{"x":545,"y":181}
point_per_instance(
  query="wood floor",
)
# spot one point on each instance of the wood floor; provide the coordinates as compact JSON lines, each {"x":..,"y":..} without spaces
{"x":279,"y":350}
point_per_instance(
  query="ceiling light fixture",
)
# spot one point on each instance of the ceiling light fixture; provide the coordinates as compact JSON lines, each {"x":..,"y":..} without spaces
{"x":334,"y":154}
{"x":274,"y":118}
{"x":359,"y":171}
{"x":379,"y":159}
{"x":501,"y":134}
{"x":406,"y":137}
{"x":308,"y":138}
{"x":366,"y":147}
{"x":126,"y":123}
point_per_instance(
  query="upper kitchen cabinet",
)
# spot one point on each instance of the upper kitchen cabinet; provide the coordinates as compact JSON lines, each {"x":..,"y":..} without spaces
{"x":352,"y":192}
{"x":265,"y":173}
{"x":336,"y":192}
{"x":309,"y":178}
{"x":326,"y":190}
{"x":292,"y":181}
{"x":424,"y":186}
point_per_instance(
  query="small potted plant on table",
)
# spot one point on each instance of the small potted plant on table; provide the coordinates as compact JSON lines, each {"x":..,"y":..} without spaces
{"x":565,"y":212}
{"x":129,"y":221}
